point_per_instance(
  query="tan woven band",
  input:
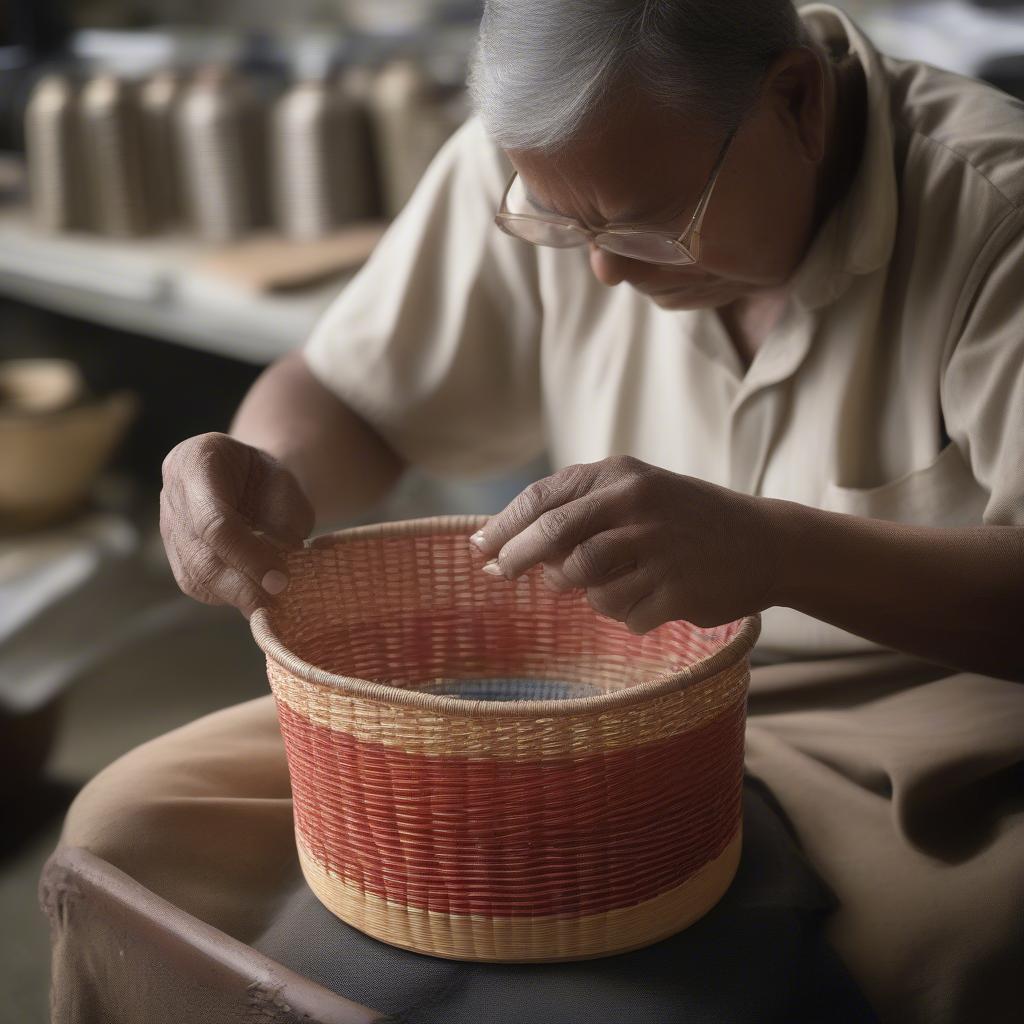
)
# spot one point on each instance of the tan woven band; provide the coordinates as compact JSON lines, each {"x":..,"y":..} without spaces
{"x":521,"y":940}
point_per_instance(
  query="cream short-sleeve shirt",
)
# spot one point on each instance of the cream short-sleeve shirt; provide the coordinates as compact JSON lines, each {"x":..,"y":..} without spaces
{"x":891,"y":387}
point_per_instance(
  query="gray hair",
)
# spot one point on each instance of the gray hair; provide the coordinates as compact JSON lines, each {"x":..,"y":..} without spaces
{"x":542,"y":68}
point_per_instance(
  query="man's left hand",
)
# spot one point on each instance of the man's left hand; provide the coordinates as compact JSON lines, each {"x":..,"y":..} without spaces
{"x":648,"y":546}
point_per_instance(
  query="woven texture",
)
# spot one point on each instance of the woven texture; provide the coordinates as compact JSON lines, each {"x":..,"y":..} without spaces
{"x":489,"y":770}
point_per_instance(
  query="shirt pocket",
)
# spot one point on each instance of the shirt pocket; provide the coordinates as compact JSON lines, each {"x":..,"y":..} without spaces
{"x":943,"y":493}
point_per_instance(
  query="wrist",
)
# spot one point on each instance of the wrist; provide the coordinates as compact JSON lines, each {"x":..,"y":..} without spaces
{"x":789,"y":529}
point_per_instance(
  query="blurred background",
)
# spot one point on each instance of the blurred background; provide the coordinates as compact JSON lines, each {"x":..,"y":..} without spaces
{"x":184,"y":186}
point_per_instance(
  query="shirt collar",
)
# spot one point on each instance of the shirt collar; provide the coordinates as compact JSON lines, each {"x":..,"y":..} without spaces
{"x":858,"y":235}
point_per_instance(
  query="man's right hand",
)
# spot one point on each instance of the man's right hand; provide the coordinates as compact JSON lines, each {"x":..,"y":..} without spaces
{"x":227,"y":513}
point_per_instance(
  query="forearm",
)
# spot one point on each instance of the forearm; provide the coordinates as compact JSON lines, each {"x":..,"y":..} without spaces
{"x":341,"y":463}
{"x":953,"y":596}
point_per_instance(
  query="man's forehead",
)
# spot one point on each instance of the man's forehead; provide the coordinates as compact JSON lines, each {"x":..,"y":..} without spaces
{"x":641,"y":211}
{"x":605,"y":179}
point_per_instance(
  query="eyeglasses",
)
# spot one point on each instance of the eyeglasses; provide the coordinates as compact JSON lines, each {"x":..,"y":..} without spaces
{"x":633,"y":241}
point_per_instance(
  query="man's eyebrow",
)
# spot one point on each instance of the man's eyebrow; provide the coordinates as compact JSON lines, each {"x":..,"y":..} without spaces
{"x":534,"y":201}
{"x":655,"y":217}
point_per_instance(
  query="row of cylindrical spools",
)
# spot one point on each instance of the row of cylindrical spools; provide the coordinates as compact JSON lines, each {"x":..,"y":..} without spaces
{"x":207,"y":151}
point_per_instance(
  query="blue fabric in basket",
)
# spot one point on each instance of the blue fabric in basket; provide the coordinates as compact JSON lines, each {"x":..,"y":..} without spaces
{"x":510,"y":689}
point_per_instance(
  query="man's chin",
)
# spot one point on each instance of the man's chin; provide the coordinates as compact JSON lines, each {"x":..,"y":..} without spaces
{"x":683,"y":300}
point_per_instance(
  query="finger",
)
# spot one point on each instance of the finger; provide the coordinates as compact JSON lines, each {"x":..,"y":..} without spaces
{"x":555,"y":578}
{"x":178,"y":571}
{"x":603,"y":555}
{"x":616,"y":598}
{"x":541,"y":496}
{"x":554,"y":535}
{"x":279,"y":545}
{"x":648,"y":613}
{"x":240,"y":477}
{"x":229,"y":538}
{"x":218,"y":528}
{"x":210,"y":580}
{"x":275,"y":503}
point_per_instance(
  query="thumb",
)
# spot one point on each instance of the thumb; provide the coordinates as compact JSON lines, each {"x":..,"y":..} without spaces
{"x":277,"y":505}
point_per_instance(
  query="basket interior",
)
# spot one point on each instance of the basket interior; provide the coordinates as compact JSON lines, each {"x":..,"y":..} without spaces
{"x":414,"y":610}
{"x":505,"y":689}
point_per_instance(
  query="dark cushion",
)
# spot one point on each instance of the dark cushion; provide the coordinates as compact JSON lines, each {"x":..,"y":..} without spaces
{"x":759,"y":956}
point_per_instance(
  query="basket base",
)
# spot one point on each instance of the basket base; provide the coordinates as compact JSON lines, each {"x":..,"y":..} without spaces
{"x":526,"y":939}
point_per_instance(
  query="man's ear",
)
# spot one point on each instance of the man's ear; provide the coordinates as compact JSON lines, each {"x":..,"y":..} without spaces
{"x":794,"y":87}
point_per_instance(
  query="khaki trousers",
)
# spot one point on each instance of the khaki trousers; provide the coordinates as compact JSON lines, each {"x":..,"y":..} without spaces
{"x":903,"y":781}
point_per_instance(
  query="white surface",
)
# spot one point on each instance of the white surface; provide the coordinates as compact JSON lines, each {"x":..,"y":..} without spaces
{"x":950,"y":34}
{"x":154,"y":287}
{"x":70,"y":597}
{"x":98,"y":620}
{"x":38,"y":569}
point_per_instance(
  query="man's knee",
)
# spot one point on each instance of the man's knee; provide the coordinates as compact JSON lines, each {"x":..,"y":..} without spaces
{"x":201,"y":817}
{"x":198,"y":777}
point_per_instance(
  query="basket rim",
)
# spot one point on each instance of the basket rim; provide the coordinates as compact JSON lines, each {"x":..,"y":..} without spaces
{"x":262,"y":627}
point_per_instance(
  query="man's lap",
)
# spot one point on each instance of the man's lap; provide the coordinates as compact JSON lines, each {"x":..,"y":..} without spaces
{"x":202,"y":817}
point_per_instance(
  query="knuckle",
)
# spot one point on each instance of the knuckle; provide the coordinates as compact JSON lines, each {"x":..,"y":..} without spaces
{"x":234,"y":590}
{"x":621,"y":465}
{"x":209,"y":441}
{"x":207,"y":578}
{"x":586,"y":560}
{"x":576,"y":474}
{"x":200,"y":566}
{"x":187,"y":450}
{"x":636,"y":492}
{"x":205,"y":455}
{"x":189,"y":584}
{"x":629,"y":500}
{"x":535,"y":497}
{"x":553,"y":525}
{"x":216,"y":530}
{"x":214,"y":455}
{"x":538,"y":492}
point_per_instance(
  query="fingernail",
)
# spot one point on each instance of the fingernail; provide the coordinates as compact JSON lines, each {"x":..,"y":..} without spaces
{"x":493,"y":568}
{"x":274,"y":581}
{"x":478,"y":538}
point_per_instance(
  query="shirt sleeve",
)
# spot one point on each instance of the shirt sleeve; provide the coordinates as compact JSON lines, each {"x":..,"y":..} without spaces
{"x":982,"y":390}
{"x":435,"y":342}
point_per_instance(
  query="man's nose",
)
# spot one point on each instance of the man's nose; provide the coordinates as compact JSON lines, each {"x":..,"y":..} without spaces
{"x":608,"y":268}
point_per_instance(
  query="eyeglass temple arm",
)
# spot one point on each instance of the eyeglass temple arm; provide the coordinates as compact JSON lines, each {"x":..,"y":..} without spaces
{"x":693,"y":229}
{"x":508,"y":188}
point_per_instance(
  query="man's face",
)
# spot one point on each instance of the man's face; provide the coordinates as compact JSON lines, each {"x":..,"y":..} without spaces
{"x":649,"y":166}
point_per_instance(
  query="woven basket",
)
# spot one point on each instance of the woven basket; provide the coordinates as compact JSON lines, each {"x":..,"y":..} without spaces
{"x":54,"y":440}
{"x":489,"y":770}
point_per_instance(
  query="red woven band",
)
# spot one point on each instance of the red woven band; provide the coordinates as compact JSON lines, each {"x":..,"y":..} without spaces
{"x":569,"y":837}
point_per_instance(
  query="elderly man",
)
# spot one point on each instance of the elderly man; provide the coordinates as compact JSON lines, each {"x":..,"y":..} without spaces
{"x":759,"y":290}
